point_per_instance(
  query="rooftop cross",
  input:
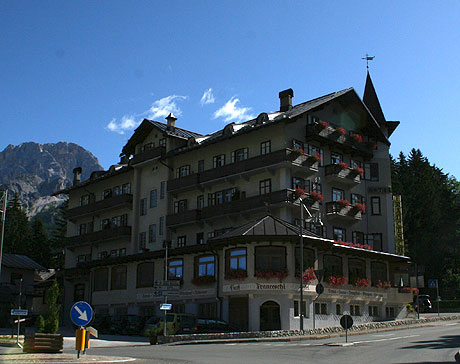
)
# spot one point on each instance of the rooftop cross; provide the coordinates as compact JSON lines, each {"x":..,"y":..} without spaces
{"x":368,"y":58}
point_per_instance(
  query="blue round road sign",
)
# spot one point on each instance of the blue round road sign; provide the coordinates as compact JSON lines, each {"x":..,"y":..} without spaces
{"x":81,"y":313}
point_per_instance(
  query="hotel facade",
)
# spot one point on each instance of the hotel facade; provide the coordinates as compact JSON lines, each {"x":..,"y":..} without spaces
{"x":227,"y":206}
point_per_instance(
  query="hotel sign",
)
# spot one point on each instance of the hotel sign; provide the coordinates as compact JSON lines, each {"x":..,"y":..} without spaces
{"x":355,"y":294}
{"x":184,"y":293}
{"x":264,"y":287}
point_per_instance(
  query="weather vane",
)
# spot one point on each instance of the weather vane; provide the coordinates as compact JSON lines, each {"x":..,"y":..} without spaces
{"x":368,"y":58}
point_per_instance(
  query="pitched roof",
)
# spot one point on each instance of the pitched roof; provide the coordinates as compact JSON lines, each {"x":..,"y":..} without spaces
{"x":20,"y":261}
{"x":372,"y":101}
{"x":267,"y":226}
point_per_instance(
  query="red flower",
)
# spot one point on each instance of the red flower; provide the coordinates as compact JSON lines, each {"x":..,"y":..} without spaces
{"x":316,"y":157}
{"x":384,"y":284}
{"x":343,"y":203}
{"x":359,"y":170}
{"x":300,"y":192}
{"x":309,"y":275}
{"x":270,"y":274}
{"x":341,"y":131}
{"x":342,"y":165}
{"x":317,"y":196}
{"x":298,"y":151}
{"x":360,"y":207}
{"x":357,"y":138}
{"x":337,"y":281}
{"x":362,"y":282}
{"x":323,"y":124}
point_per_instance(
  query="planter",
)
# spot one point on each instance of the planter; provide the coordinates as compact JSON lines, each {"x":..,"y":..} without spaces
{"x":153,"y":340}
{"x":43,"y":343}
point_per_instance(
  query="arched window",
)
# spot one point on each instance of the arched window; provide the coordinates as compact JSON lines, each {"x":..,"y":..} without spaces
{"x":270,"y":258}
{"x":308,"y":259}
{"x":332,"y":266}
{"x":378,"y":273}
{"x":356,"y":269}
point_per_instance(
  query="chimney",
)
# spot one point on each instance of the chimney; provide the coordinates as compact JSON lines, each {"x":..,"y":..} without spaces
{"x":171,"y":121}
{"x":286,"y":99}
{"x":76,"y":175}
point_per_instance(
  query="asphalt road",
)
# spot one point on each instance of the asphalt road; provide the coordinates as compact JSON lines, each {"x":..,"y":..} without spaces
{"x":433,"y":344}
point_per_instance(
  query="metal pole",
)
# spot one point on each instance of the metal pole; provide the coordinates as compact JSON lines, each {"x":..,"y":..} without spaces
{"x":165,"y":331}
{"x":437,"y":294}
{"x":19,"y":304}
{"x":2,"y":232}
{"x":301,"y":263}
{"x":418,"y":293}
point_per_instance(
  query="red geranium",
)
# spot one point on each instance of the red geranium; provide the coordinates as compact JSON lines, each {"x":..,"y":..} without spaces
{"x":342,"y":165}
{"x":340,"y":130}
{"x":358,"y":170}
{"x":343,"y":203}
{"x":323,"y":124}
{"x":360,"y":207}
{"x":357,"y":138}
{"x":317,"y":196}
{"x":362,"y":282}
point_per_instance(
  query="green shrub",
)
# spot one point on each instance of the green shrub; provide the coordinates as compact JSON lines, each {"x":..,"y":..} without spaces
{"x":40,"y":324}
{"x":52,"y":316}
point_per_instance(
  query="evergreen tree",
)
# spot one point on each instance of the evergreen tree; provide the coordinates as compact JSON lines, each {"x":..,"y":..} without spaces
{"x":17,"y":229}
{"x":58,"y":240}
{"x":40,"y":245}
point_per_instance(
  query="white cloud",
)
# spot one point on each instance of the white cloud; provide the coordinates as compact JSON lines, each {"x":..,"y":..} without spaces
{"x":160,"y":108}
{"x":232,"y":112}
{"x":207,"y":98}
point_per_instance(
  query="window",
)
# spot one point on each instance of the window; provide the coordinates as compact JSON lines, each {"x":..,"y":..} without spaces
{"x":332,"y":266}
{"x":316,"y":187}
{"x":296,"y":308}
{"x":162,"y":142}
{"x":183,"y":171}
{"x":220,"y":197}
{"x":308,"y":259}
{"x":375,"y":241}
{"x":355,"y":310}
{"x":207,"y":310}
{"x":336,"y":158}
{"x":102,"y":255}
{"x":297,"y":144}
{"x":240,"y":155}
{"x":118,"y":277}
{"x":338,"y":309}
{"x":162,"y":226}
{"x":180,"y":206}
{"x":145,"y":275}
{"x":79,"y":292}
{"x":354,"y":163}
{"x":320,"y":308}
{"x":148,"y":146}
{"x":84,"y":200}
{"x":378,"y":273}
{"x":357,"y":237}
{"x":200,"y":238}
{"x":235,"y":259}
{"x":265,"y":186}
{"x":356,"y":198}
{"x":101,"y":279}
{"x":143,"y":207}
{"x":162,"y":190}
{"x":339,"y":234}
{"x":82,"y":229}
{"x":107,"y":193}
{"x":153,"y":198}
{"x":105,"y":224}
{"x":356,"y":270}
{"x":337,"y":194}
{"x":375,"y":206}
{"x":126,"y":188}
{"x":390,"y":312}
{"x":176,"y":268}
{"x":218,"y":161}
{"x":206,"y":266}
{"x":312,"y":120}
{"x":116,"y":221}
{"x":374,"y":311}
{"x":200,"y":202}
{"x":270,"y":258}
{"x":371,"y":171}
{"x":201,"y":165}
{"x":265,"y":147}
{"x":181,"y":241}
{"x":152,"y":233}
{"x":312,"y":150}
{"x":298,"y":182}
{"x":124,"y":220}
{"x":142,"y":240}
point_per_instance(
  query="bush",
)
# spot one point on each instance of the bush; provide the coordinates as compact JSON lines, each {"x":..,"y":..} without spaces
{"x":40,"y":324}
{"x":52,"y":316}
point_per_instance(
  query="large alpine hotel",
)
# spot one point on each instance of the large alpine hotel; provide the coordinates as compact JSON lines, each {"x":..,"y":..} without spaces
{"x":228,"y":207}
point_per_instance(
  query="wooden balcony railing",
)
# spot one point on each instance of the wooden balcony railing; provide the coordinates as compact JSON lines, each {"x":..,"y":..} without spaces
{"x":148,"y":154}
{"x":108,"y":203}
{"x":102,"y":235}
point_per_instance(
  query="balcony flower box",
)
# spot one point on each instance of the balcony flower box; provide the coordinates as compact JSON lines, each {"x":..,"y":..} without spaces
{"x":323,"y":125}
{"x":359,"y":207}
{"x":300,"y":192}
{"x":358,"y":170}
{"x":362,"y":282}
{"x":309,"y":275}
{"x":315,"y":158}
{"x":343,"y":203}
{"x":298,"y":151}
{"x":353,"y":245}
{"x":279,"y":274}
{"x":203,"y":280}
{"x":316,"y":196}
{"x":341,"y":131}
{"x":357,"y":138}
{"x":383,"y":285}
{"x":236,"y":274}
{"x":338,"y":281}
{"x":341,"y":166}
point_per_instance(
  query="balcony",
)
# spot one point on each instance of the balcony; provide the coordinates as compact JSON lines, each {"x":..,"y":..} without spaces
{"x":148,"y":154}
{"x":335,"y":211}
{"x":113,"y":233}
{"x":237,"y":206}
{"x":338,"y":174}
{"x":333,"y":137}
{"x":303,"y":163}
{"x":109,"y":203}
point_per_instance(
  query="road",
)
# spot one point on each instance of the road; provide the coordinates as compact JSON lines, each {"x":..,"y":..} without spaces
{"x":433,"y":344}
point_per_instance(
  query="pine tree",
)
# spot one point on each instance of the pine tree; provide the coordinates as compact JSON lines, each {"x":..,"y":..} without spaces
{"x":40,"y":244}
{"x":17,"y":229}
{"x":58,"y":240}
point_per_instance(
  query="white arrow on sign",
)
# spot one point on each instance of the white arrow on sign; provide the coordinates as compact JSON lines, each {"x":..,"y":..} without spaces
{"x":83,"y":315}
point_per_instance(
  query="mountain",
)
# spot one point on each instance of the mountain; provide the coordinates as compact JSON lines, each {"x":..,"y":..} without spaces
{"x":35,"y":171}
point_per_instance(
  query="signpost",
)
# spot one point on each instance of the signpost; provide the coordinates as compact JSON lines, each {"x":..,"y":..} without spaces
{"x":19,"y":312}
{"x":81,"y":315}
{"x":166,"y":306}
{"x":346,"y":321}
{"x":433,"y":283}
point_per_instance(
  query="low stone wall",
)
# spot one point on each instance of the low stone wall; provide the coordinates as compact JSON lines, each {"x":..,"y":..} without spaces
{"x":244,"y":336}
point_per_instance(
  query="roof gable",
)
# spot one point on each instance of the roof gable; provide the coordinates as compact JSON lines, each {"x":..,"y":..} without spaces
{"x":372,"y":102}
{"x":21,"y":262}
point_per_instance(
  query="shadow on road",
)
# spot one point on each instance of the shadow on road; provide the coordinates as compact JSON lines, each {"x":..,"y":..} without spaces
{"x":443,"y":342}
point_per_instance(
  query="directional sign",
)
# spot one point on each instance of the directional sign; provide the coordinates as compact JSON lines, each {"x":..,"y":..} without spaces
{"x":165,"y":293}
{"x":432,"y":283}
{"x":81,"y":313}
{"x":319,"y":288}
{"x":172,"y":285}
{"x":18,"y":312}
{"x":166,"y":306}
{"x":346,"y":321}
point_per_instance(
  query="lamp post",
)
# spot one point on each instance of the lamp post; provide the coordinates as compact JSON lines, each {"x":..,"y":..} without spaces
{"x":2,"y":229}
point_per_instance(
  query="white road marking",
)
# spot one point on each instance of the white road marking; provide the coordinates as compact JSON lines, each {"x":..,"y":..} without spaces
{"x":386,"y":339}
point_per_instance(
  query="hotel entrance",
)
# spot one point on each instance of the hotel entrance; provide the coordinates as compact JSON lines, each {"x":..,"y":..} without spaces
{"x":270,"y":316}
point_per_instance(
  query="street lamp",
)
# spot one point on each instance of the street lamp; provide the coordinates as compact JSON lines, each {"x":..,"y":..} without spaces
{"x":2,"y":227}
{"x":318,"y":223}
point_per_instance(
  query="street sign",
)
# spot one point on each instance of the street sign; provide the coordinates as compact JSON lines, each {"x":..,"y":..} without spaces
{"x":172,"y":285}
{"x":166,"y":306}
{"x":346,"y":321}
{"x":319,"y":273}
{"x":166,"y":293}
{"x":19,"y":312}
{"x":81,"y":313}
{"x":432,"y":283}
{"x":319,"y":288}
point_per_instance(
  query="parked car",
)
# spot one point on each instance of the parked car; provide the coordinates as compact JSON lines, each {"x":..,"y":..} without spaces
{"x":424,"y":301}
{"x":176,"y":323}
{"x":211,"y":326}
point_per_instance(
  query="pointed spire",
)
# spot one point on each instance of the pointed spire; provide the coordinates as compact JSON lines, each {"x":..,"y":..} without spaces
{"x":371,"y":100}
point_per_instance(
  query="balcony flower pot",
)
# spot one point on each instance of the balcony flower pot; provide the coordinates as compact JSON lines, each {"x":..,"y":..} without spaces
{"x":323,"y":125}
{"x":280,"y":274}
{"x":362,"y":282}
{"x":358,"y":170}
{"x":203,"y":280}
{"x":315,"y":158}
{"x":300,"y":192}
{"x":236,"y":274}
{"x":357,"y":138}
{"x":343,"y":203}
{"x":309,"y":275}
{"x":383,"y":285}
{"x":341,"y":131}
{"x":316,"y":196}
{"x":337,"y":281}
{"x":359,"y":207}
{"x":341,"y":166}
{"x":298,"y":151}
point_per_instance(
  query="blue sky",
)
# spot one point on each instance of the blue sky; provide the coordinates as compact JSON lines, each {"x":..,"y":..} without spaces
{"x":89,"y":71}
